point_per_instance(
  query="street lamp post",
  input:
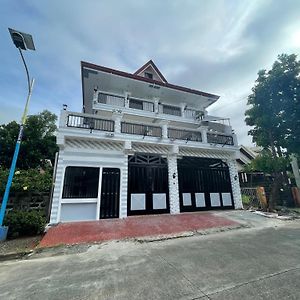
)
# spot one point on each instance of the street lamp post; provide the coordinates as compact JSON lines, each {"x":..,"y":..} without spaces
{"x":22,"y":41}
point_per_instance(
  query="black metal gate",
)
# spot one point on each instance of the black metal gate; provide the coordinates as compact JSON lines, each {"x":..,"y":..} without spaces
{"x":148,"y":190}
{"x":110,"y":193}
{"x":204,"y":184}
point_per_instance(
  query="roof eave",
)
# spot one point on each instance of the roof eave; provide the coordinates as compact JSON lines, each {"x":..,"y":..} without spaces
{"x":213,"y":97}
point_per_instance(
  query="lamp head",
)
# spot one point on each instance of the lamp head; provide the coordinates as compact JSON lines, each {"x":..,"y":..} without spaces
{"x":21,"y":40}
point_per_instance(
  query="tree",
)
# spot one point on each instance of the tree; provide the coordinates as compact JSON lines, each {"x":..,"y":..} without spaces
{"x":38,"y":144}
{"x":274,"y":114}
{"x":268,"y":164}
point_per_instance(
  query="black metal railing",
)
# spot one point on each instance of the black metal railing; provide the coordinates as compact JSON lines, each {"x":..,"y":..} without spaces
{"x":179,"y":134}
{"x":140,"y":104}
{"x":171,"y":110}
{"x":90,"y":123}
{"x":219,"y":139}
{"x":140,"y":129}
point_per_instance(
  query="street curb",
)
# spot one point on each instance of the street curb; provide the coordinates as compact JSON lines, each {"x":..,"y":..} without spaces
{"x":15,"y":255}
{"x":206,"y":231}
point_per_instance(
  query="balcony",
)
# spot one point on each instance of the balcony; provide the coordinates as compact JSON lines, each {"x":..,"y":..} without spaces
{"x":140,"y":129}
{"x":187,"y":135}
{"x":221,"y":139}
{"x":125,"y":130}
{"x":90,"y":123}
{"x":109,"y":101}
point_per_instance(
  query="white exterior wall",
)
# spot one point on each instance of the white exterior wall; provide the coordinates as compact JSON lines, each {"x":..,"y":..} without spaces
{"x":110,"y":154}
{"x":65,"y":208}
{"x":57,"y":189}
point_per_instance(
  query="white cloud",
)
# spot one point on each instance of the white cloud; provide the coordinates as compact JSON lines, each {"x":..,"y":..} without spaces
{"x":215,"y":46}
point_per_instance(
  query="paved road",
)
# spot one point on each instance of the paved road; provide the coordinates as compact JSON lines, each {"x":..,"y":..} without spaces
{"x":259,"y":263}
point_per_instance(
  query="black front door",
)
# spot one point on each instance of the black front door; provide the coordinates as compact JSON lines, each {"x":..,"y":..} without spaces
{"x":110,"y":193}
{"x":148,"y":191}
{"x":204,"y":184}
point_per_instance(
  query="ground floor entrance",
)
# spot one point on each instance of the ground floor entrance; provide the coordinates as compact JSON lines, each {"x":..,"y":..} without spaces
{"x":148,"y":190}
{"x":204,"y":183}
{"x":142,"y":184}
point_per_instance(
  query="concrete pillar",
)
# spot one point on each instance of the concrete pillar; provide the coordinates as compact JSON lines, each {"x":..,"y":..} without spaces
{"x":235,"y":184}
{"x":117,"y":117}
{"x":173,"y":184}
{"x":126,"y":101}
{"x":204,"y":134}
{"x":156,"y":108}
{"x":63,"y":118}
{"x":235,"y":141}
{"x":183,"y":106}
{"x":95,"y":96}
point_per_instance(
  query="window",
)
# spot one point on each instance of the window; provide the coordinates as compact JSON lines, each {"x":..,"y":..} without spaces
{"x":148,"y":75}
{"x":171,"y":110}
{"x":81,"y":182}
{"x":136,"y":104}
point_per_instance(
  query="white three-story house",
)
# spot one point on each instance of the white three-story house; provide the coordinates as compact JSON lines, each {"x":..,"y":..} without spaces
{"x":142,"y":146}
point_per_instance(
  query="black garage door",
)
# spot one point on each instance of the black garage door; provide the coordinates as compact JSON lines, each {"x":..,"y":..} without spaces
{"x":148,"y":191}
{"x":203,"y":184}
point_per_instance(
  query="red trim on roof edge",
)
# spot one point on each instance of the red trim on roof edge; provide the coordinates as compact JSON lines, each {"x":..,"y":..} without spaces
{"x":151,"y":63}
{"x":140,"y":78}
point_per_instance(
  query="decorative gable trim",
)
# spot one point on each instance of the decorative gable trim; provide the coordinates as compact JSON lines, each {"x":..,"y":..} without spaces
{"x":150,"y":63}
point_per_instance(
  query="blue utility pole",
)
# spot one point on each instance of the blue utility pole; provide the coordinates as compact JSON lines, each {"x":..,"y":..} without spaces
{"x":22,"y":41}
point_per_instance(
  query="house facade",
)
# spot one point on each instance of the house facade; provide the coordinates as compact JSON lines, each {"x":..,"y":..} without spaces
{"x":142,"y":146}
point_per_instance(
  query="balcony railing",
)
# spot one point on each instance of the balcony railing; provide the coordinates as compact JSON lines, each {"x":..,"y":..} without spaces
{"x":179,"y":134}
{"x":215,"y":138}
{"x":93,"y":122}
{"x":90,"y":123}
{"x":170,"y":110}
{"x":111,"y":99}
{"x":140,"y":129}
{"x":140,"y":104}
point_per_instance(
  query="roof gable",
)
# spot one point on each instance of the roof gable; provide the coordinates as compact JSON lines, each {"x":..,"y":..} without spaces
{"x":150,"y":67}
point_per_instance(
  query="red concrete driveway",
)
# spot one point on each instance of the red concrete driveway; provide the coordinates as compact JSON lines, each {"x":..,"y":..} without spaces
{"x":140,"y":226}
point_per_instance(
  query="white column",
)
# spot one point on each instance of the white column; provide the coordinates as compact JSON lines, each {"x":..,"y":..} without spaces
{"x":156,"y":108}
{"x":173,"y":184}
{"x":123,"y":188}
{"x":235,"y":184}
{"x":164,"y":129}
{"x":117,"y":117}
{"x":183,"y":105}
{"x":63,"y":118}
{"x":204,"y":134}
{"x":235,"y":141}
{"x":95,"y":96}
{"x":126,"y":99}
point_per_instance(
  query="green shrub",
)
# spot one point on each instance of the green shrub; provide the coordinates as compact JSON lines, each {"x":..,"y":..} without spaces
{"x":27,"y":180}
{"x":246,"y":199}
{"x":25,"y":223}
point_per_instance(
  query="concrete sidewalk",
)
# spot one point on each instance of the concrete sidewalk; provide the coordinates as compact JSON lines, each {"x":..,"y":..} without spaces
{"x":132,"y":227}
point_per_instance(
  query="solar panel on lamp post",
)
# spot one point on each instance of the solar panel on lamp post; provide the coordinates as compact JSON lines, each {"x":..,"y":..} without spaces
{"x":22,"y":41}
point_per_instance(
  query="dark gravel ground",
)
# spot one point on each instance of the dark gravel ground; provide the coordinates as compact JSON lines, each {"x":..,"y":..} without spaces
{"x":19,"y":245}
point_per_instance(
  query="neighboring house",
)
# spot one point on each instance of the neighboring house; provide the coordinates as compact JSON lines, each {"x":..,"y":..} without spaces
{"x":142,"y":146}
{"x":250,"y":179}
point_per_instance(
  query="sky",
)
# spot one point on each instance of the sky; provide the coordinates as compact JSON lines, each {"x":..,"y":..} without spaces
{"x":215,"y":46}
